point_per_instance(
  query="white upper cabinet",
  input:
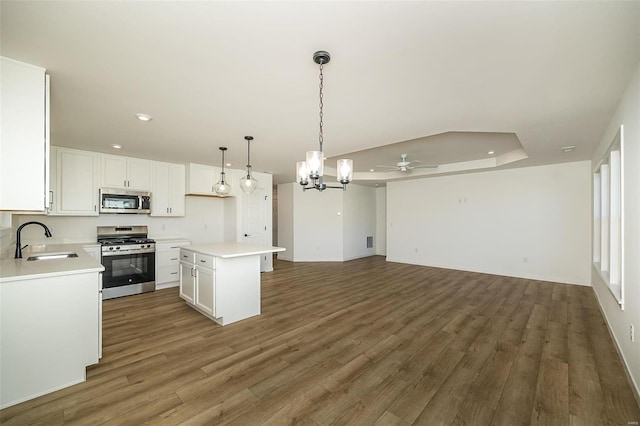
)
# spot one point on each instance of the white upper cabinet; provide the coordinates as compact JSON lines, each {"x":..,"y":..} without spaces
{"x":24,"y":137}
{"x":126,"y":172}
{"x":74,"y":182}
{"x":201,"y":179}
{"x":167,"y":191}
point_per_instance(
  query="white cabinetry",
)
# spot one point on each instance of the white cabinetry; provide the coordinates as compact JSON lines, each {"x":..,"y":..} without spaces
{"x":24,"y":137}
{"x":50,"y":333}
{"x":168,"y":263}
{"x":205,"y":287}
{"x":187,"y":277}
{"x":74,"y":186}
{"x":126,"y":172}
{"x":198,"y":281}
{"x":201,"y":179}
{"x":167,"y":191}
{"x":222,"y":280}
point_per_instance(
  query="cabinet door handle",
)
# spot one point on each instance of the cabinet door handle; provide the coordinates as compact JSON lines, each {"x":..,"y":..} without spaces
{"x":174,"y":273}
{"x":247,"y":235}
{"x":174,"y":258}
{"x":203,"y":261}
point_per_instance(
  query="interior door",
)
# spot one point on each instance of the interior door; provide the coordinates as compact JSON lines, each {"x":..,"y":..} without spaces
{"x":254,"y":221}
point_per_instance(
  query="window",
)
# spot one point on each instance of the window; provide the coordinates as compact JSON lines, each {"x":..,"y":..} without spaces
{"x":607,"y":218}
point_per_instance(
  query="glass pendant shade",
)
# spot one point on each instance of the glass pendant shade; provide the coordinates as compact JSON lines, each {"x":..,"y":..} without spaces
{"x":302,"y":173}
{"x":222,"y":187}
{"x":248,"y":184}
{"x":315,"y":164}
{"x":345,"y":171}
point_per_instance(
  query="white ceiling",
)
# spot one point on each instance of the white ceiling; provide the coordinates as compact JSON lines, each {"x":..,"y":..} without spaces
{"x":210,"y":73}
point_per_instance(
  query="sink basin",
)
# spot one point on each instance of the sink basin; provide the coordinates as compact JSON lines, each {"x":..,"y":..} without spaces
{"x":51,"y":256}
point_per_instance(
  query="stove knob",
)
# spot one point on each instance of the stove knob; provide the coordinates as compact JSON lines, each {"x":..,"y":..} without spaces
{"x":142,"y":246}
{"x":110,"y":248}
{"x":118,"y":248}
{"x":148,"y":245}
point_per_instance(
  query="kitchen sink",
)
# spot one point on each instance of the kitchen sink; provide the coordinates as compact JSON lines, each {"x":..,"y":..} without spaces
{"x":51,"y":256}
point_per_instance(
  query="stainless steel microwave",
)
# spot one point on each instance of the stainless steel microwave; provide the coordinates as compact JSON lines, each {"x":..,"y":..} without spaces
{"x":113,"y":200}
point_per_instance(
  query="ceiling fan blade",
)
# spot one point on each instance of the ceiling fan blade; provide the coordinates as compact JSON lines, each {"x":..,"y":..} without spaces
{"x":426,"y":166}
{"x":387,"y":167}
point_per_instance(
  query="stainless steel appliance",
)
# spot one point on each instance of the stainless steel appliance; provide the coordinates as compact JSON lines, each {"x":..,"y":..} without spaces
{"x":113,"y":200}
{"x":129,"y":260}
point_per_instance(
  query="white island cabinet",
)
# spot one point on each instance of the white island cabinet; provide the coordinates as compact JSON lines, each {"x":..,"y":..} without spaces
{"x":222,"y":281}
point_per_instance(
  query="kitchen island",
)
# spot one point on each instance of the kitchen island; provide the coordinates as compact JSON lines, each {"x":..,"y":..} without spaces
{"x":222,"y":280}
{"x":50,"y":320}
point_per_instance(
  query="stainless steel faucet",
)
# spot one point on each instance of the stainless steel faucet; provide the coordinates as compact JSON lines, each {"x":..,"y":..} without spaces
{"x":47,"y":233}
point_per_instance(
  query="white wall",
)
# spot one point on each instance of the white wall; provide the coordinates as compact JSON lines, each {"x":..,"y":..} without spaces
{"x":317,"y":228}
{"x":358,"y":221}
{"x":619,"y":321}
{"x":380,"y":239}
{"x":286,"y":216}
{"x":204,"y":222}
{"x":332,"y":225}
{"x":531,"y":222}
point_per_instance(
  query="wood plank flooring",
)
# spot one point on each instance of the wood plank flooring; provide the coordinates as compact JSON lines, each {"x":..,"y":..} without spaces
{"x":365,"y":342}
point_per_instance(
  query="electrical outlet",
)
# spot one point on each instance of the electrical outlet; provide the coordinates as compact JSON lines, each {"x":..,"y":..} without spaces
{"x":632,"y":333}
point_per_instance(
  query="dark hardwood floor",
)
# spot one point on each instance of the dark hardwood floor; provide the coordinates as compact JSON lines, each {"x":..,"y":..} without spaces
{"x":362,"y":342}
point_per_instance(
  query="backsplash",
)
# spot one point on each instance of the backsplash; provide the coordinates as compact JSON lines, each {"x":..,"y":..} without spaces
{"x":204,"y":222}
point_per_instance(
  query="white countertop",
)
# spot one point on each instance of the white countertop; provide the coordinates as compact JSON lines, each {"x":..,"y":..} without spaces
{"x":227,"y":250}
{"x":22,"y":269}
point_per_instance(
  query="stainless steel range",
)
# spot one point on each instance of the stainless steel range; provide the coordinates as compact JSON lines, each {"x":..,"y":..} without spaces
{"x":129,"y":260}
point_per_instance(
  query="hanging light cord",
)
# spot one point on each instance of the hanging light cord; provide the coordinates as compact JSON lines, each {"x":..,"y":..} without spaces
{"x":248,"y":158}
{"x":321,"y":103}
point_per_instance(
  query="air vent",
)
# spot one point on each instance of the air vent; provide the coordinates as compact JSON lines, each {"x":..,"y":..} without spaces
{"x":369,"y":242}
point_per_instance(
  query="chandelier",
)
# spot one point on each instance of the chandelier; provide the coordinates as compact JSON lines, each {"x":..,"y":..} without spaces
{"x":222,"y":187}
{"x":248,"y":184}
{"x":310,"y":172}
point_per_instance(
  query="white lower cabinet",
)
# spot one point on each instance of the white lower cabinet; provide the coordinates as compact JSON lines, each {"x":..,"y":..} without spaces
{"x":168,"y":263}
{"x":198,"y":281}
{"x":206,"y":290}
{"x":187,"y":282}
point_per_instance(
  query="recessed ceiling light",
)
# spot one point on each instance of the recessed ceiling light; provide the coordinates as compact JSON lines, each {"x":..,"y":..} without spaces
{"x":371,"y":170}
{"x":116,"y":146}
{"x":228,"y":165}
{"x":143,"y":117}
{"x":568,"y":148}
{"x":491,"y":152}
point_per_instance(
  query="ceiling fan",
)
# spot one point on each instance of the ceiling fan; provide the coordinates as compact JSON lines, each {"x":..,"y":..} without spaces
{"x":404,"y":166}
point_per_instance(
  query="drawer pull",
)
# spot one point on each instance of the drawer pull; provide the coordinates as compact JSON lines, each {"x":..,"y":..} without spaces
{"x":174,"y":258}
{"x":203,"y":261}
{"x":174,"y":273}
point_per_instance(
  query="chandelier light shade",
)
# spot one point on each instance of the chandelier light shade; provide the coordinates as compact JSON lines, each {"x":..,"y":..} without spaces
{"x":345,"y":171}
{"x":222,"y":187}
{"x":310,"y":173}
{"x":248,"y":183}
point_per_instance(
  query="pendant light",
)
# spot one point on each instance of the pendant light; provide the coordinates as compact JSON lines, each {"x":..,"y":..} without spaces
{"x":222,"y":187}
{"x":248,"y":184}
{"x":313,"y":168}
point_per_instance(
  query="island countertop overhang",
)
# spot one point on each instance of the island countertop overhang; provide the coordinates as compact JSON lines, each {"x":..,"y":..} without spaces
{"x":230,"y":250}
